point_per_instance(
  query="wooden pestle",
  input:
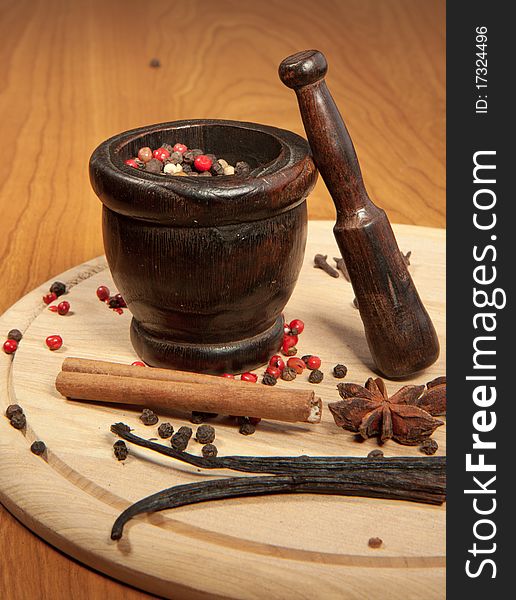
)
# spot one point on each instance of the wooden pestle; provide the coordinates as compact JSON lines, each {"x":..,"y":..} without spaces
{"x":400,"y":334}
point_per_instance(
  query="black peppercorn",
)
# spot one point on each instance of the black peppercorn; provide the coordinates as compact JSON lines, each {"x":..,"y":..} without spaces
{"x":58,"y":288}
{"x":165,"y":430}
{"x":217,"y":168}
{"x":242,"y":168}
{"x":38,"y":447}
{"x":15,"y":334}
{"x":246,"y":426}
{"x":148,"y":417}
{"x":13,"y":409}
{"x":269,"y":379}
{"x":247,"y":429}
{"x":175,"y":158}
{"x":429,"y":447}
{"x":18,"y":421}
{"x":375,"y":454}
{"x":199,"y":417}
{"x":155,"y":63}
{"x":168,"y":148}
{"x":179,"y":441}
{"x":113,"y":302}
{"x":185,"y":431}
{"x":316,"y":376}
{"x":340,"y":371}
{"x":205,"y":434}
{"x":375,"y":542}
{"x":209,"y":451}
{"x":121,"y":302}
{"x":187,"y":168}
{"x":288,"y":374}
{"x":153,"y":166}
{"x":120,"y":450}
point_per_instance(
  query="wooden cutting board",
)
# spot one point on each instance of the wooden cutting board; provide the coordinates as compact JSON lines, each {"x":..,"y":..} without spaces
{"x":278,"y":547}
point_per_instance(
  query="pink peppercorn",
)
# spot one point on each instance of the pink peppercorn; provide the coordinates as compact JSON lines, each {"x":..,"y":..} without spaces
{"x":228,"y":376}
{"x":274,"y":371}
{"x":103,"y":293}
{"x":145,"y":154}
{"x":49,"y":298}
{"x":161,"y":154}
{"x":131,"y":162}
{"x":54,"y":342}
{"x":180,"y":148}
{"x":252,"y":377}
{"x":313,"y":362}
{"x":138,"y":363}
{"x":10,"y":346}
{"x":203,"y":163}
{"x":63,"y":307}
{"x":297,"y":364}
{"x":289,"y":341}
{"x":296,"y":326}
{"x":277,"y":362}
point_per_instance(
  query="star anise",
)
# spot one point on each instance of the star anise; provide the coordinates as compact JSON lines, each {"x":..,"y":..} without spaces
{"x":369,"y":410}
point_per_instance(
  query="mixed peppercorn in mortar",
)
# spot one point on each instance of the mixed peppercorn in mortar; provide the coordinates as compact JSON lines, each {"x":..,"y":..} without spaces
{"x":179,"y":160}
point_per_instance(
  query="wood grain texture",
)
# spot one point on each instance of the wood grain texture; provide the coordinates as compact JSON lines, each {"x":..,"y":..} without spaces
{"x":79,"y":489}
{"x":74,"y":73}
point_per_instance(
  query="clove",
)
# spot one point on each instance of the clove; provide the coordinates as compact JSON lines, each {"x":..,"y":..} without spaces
{"x":341,"y":266}
{"x":320,"y":262}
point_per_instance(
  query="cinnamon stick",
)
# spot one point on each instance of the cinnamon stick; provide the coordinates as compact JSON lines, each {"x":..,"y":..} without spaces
{"x":161,"y":389}
{"x":103,"y":367}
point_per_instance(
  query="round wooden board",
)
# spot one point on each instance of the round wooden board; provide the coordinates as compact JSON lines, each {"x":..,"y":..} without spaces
{"x":278,"y":547}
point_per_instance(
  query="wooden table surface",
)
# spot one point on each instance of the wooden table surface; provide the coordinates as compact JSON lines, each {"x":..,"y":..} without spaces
{"x":74,"y":73}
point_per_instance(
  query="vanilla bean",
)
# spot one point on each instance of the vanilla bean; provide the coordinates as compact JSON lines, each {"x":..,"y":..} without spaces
{"x":320,"y":262}
{"x":402,"y":475}
{"x":233,"y":487}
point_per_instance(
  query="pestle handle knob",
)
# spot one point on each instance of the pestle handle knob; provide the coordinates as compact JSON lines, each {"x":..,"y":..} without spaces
{"x":303,"y":68}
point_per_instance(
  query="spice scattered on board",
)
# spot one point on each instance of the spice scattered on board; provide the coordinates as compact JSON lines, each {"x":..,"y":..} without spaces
{"x":321,"y":262}
{"x":16,"y":416}
{"x":288,"y":374}
{"x":181,"y":438}
{"x":38,"y":447}
{"x":148,"y":417}
{"x":429,"y":447}
{"x":13,"y":339}
{"x":205,"y":434}
{"x":13,"y":409}
{"x":371,"y":412}
{"x":316,"y":376}
{"x":340,"y":371}
{"x":376,"y":453}
{"x":209,"y":451}
{"x":120,"y":450}
{"x":269,"y":379}
{"x":115,"y":302}
{"x":199,"y":417}
{"x":375,"y":542}
{"x":247,"y":427}
{"x":165,"y":430}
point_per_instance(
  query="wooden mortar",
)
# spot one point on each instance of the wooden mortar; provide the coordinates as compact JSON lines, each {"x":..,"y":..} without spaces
{"x":206,"y":265}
